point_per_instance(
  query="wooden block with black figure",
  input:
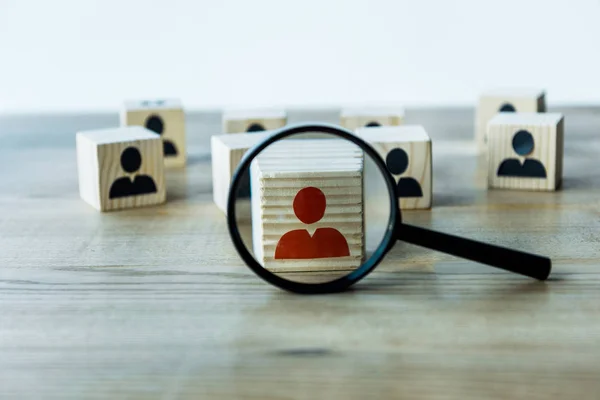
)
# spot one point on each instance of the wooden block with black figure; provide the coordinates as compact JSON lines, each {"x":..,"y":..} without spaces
{"x":525,"y":151}
{"x":120,"y":168}
{"x":164,"y":117}
{"x":258,"y":120}
{"x":406,"y":151}
{"x":359,"y":117}
{"x":506,"y":100}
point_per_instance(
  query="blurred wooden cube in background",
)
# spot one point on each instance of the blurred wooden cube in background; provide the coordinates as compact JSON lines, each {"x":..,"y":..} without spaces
{"x":256,"y":120}
{"x":226,"y":152}
{"x":354,"y":118}
{"x":164,"y":117}
{"x":505,"y":100}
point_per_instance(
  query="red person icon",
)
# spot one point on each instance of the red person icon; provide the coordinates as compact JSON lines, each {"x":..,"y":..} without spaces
{"x":309,"y":206}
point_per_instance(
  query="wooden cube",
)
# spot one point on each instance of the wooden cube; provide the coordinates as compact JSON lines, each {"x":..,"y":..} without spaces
{"x":240,"y":121}
{"x":525,"y":151}
{"x":505,"y":100}
{"x":226,"y":153}
{"x":120,"y":168}
{"x":406,"y":150}
{"x":307,"y":206}
{"x":354,"y":118}
{"x":164,"y":117}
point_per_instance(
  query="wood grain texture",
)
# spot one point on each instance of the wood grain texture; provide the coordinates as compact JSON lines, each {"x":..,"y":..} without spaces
{"x":333,"y":166}
{"x":354,"y":118}
{"x":240,"y":121}
{"x":416,"y":144}
{"x":99,"y":166}
{"x":173,"y":119}
{"x":154,"y":303}
{"x":490,"y":103}
{"x":547,"y":130}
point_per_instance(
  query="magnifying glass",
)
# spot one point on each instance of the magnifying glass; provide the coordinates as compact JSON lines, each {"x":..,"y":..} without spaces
{"x":322,"y":212}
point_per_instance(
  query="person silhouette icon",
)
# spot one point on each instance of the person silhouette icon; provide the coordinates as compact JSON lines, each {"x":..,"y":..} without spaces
{"x":156,"y":124}
{"x":153,"y":103}
{"x":523,"y":145}
{"x":255,"y":127}
{"x":397,"y":163}
{"x":309,"y":207}
{"x":131,"y":161}
{"x":507,"y":107}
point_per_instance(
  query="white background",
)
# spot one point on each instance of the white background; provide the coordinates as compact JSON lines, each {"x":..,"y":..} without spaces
{"x":92,"y":54}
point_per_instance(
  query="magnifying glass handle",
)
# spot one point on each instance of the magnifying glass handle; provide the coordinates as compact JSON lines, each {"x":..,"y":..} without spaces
{"x":531,"y":265}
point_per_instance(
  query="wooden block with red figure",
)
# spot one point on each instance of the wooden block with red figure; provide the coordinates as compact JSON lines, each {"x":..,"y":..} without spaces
{"x":307,"y":206}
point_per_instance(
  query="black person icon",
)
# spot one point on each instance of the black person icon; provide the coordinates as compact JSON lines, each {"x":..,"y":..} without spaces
{"x":507,"y":107}
{"x":523,"y":145}
{"x":131,"y":160}
{"x":397,"y":162}
{"x":156,"y":124}
{"x":255,"y":127}
{"x":153,"y":103}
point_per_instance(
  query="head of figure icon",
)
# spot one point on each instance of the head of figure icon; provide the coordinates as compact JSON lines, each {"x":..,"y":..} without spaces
{"x":523,"y":143}
{"x":507,"y":107}
{"x":153,"y":103}
{"x":131,"y":159}
{"x":373,"y":124}
{"x":155,"y":124}
{"x":309,"y":205}
{"x":397,"y":161}
{"x":255,"y":128}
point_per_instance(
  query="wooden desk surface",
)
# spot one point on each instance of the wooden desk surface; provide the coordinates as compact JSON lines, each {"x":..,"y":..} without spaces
{"x":155,"y":303}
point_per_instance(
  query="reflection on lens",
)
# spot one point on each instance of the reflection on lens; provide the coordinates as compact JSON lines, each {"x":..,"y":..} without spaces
{"x":308,"y":204}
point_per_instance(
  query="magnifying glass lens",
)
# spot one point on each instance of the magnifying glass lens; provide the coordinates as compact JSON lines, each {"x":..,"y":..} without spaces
{"x":313,"y":208}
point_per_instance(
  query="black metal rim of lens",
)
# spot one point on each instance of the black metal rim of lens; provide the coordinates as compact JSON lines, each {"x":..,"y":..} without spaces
{"x":338,"y":284}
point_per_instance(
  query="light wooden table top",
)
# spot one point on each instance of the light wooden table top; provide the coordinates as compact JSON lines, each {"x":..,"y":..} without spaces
{"x":155,"y":303}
